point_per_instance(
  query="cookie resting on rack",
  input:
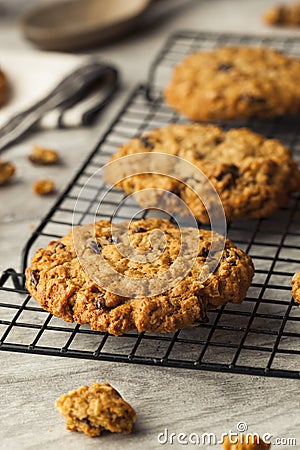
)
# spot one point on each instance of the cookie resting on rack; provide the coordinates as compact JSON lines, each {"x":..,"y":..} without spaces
{"x":296,"y":287}
{"x":252,"y":175}
{"x":203,"y":271}
{"x":235,"y":83}
{"x":91,"y":410}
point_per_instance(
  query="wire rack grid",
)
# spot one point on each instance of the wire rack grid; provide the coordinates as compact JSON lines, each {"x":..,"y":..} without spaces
{"x":259,"y":337}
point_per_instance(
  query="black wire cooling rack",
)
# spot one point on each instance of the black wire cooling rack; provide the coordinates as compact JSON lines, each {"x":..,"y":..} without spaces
{"x":259,"y":337}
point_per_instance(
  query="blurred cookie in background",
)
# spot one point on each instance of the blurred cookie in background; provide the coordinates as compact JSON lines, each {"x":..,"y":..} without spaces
{"x":284,"y":15}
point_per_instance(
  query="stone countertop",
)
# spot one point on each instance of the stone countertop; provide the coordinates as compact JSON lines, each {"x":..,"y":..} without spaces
{"x":179,"y":400}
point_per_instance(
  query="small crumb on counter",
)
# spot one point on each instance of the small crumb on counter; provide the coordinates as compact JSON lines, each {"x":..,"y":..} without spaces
{"x":3,"y":88}
{"x":7,"y":170}
{"x":91,"y":410}
{"x":43,"y":187}
{"x":43,"y":156}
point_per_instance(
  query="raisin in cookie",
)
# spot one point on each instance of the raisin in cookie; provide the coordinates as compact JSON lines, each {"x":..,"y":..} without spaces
{"x":91,"y":410}
{"x":235,"y":83}
{"x":296,"y":287}
{"x":3,"y":88}
{"x":284,"y":15}
{"x":252,"y":175}
{"x":204,"y":271}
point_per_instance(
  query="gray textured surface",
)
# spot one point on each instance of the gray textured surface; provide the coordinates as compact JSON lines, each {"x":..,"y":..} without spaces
{"x":184,"y":401}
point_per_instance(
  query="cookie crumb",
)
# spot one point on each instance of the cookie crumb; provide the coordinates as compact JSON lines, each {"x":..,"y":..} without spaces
{"x":43,"y":187}
{"x":244,"y":180}
{"x":91,"y":410}
{"x":43,"y":156}
{"x":7,"y":170}
{"x":284,"y":15}
{"x":247,"y":442}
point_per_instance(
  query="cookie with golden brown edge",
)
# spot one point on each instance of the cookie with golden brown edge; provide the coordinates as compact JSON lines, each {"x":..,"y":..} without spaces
{"x":252,"y":175}
{"x":91,"y":410}
{"x":235,"y":83}
{"x":59,"y":277}
{"x":296,"y":287}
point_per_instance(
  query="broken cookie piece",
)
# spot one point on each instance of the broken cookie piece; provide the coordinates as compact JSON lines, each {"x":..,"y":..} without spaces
{"x":43,"y":187}
{"x":43,"y":156}
{"x":91,"y":410}
{"x":242,"y":442}
{"x":7,"y":170}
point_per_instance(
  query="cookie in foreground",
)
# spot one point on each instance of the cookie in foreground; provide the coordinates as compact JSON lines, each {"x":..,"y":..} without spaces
{"x":235,"y":83}
{"x":296,"y":287}
{"x":91,"y":410}
{"x":62,"y":278}
{"x":252,"y":175}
